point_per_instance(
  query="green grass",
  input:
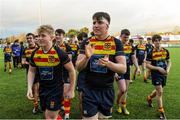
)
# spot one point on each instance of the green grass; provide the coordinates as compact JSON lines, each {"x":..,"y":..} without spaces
{"x":14,"y":104}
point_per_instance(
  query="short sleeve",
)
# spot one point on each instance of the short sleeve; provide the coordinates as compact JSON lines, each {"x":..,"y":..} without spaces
{"x":63,"y":56}
{"x":23,"y":53}
{"x":119,"y":47}
{"x":31,"y":60}
{"x":149,"y":56}
{"x":167,"y":55}
{"x":68,"y":49}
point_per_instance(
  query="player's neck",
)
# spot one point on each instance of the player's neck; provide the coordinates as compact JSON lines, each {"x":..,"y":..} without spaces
{"x":102,"y":37}
{"x":61,"y":42}
{"x":158,"y":48}
{"x":32,"y":45}
{"x":47,"y":47}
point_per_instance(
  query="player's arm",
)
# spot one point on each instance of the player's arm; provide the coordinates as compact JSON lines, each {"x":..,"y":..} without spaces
{"x":23,"y":61}
{"x":168,"y":62}
{"x":4,"y":50}
{"x":151,"y":67}
{"x":81,"y":62}
{"x":69,"y":51}
{"x":119,"y":66}
{"x":72,"y":77}
{"x":135,"y":62}
{"x":70,"y":56}
{"x":86,"y":52}
{"x":168,"y":65}
{"x":145,"y":55}
{"x":31,"y":76}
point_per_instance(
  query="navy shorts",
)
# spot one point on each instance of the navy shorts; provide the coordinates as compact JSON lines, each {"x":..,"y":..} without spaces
{"x":140,"y":59}
{"x":94,"y":101}
{"x":158,"y":79}
{"x":7,"y":58}
{"x":50,"y":102}
{"x":66,"y":79}
{"x":81,"y":81}
{"x":125,"y":76}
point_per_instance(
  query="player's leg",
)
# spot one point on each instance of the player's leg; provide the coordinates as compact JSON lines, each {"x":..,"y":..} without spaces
{"x":159,"y":93}
{"x":36,"y":97}
{"x":66,"y":102}
{"x":144,"y":72}
{"x":150,"y":97}
{"x":121,"y":91}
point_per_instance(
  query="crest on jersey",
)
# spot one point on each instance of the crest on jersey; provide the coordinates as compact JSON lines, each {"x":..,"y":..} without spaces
{"x":51,"y":59}
{"x":52,"y":104}
{"x":107,"y":46}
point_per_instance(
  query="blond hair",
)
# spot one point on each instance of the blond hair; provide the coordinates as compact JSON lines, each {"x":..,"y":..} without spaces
{"x":46,"y":28}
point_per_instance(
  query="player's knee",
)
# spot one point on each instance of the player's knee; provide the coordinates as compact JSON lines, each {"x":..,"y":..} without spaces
{"x":159,"y":93}
{"x":50,"y":115}
{"x":122,"y":91}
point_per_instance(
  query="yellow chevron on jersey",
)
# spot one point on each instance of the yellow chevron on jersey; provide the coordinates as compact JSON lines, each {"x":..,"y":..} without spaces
{"x":141,"y":47}
{"x":49,"y":59}
{"x":127,"y":49}
{"x":159,"y":55}
{"x":7,"y":50}
{"x":104,"y":47}
{"x":29,"y":51}
{"x":74,"y":47}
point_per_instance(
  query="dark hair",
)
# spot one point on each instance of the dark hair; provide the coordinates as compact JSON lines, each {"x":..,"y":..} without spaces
{"x":148,"y":38}
{"x":125,"y":31}
{"x":17,"y":40}
{"x":30,"y":34}
{"x":21,"y":43}
{"x":99,"y":15}
{"x":82,"y":35}
{"x":131,"y":40}
{"x":140,"y":37}
{"x":155,"y":37}
{"x":60,"y":31}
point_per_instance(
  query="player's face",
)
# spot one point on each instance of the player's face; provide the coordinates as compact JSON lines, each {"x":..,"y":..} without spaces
{"x":140,"y":41}
{"x":99,"y":27}
{"x":44,"y":39}
{"x":157,"y":43}
{"x":149,"y":41}
{"x":124,"y":38}
{"x":59,"y":37}
{"x":30,"y":40}
{"x":36,"y":39}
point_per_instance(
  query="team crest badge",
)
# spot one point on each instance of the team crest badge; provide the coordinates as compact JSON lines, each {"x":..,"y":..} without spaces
{"x":107,"y":46}
{"x":51,"y":59}
{"x":52,"y":104}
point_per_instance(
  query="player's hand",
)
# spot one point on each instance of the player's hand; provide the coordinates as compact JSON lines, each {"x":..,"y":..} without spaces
{"x":69,"y":94}
{"x":138,"y":71}
{"x":29,"y":94}
{"x":116,"y":76}
{"x":161,"y":70}
{"x":89,"y":50}
{"x":167,"y":71}
{"x":104,"y":61}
